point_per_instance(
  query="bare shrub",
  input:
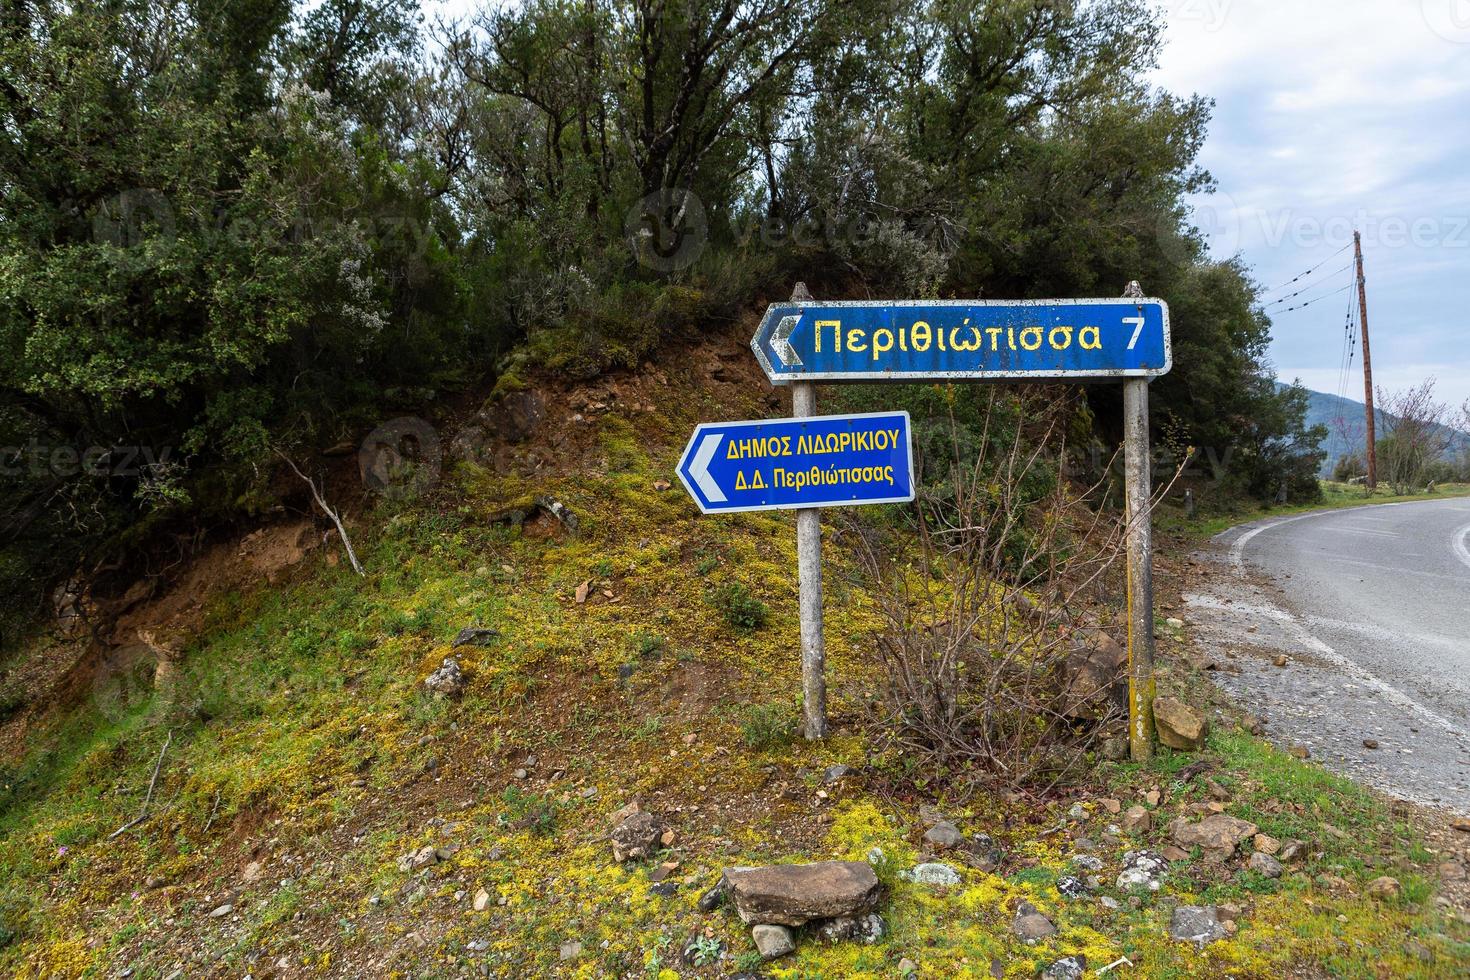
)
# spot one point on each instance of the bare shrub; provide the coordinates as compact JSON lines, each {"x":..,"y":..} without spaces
{"x":1415,"y":435}
{"x":995,"y":651}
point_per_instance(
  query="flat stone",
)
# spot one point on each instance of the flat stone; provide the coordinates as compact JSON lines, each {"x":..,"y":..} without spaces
{"x":1031,"y":926}
{"x":1196,"y":924}
{"x":933,"y":873}
{"x":570,"y":950}
{"x":944,"y":835}
{"x":1291,"y":850}
{"x":1266,"y":844}
{"x":795,"y":894}
{"x":1217,"y":832}
{"x":836,"y":773}
{"x":773,"y":941}
{"x":475,"y":636}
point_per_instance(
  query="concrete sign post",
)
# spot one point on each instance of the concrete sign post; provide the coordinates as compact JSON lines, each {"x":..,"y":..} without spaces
{"x":804,"y":341}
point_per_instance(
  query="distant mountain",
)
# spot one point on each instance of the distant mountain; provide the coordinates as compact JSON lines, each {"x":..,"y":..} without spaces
{"x":1344,"y":419}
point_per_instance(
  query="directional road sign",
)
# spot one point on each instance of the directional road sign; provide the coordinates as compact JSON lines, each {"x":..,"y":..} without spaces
{"x":785,"y":464}
{"x":922,"y":340}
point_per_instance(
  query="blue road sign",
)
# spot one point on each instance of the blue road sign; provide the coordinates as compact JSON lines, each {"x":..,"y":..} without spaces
{"x":1080,"y":339}
{"x":783,"y":464}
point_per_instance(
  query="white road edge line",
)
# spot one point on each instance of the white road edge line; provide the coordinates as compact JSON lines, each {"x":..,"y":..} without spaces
{"x":1237,"y":548}
{"x":1457,"y":541}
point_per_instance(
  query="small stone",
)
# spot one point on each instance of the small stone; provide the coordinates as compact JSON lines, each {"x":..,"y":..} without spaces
{"x":1067,"y":968}
{"x":635,"y":834}
{"x":1281,"y":660}
{"x":1462,"y":825}
{"x":424,"y":857}
{"x":220,"y":911}
{"x":1452,"y":871}
{"x":1114,"y":749}
{"x":866,"y":929}
{"x":1136,"y":821}
{"x":1266,"y":844}
{"x":570,"y":950}
{"x":520,"y":774}
{"x":944,"y":836}
{"x":1087,"y":862}
{"x":934,"y":873}
{"x":664,"y":888}
{"x":1171,"y":853}
{"x":714,"y":897}
{"x":1299,"y":752}
{"x":1153,"y":797}
{"x":1385,"y":888}
{"x":1174,"y":623}
{"x":1070,"y":886}
{"x":447,"y":681}
{"x":1031,"y":926}
{"x":482,"y":900}
{"x":836,"y":773}
{"x":1179,"y":726}
{"x":1112,"y":806}
{"x":1253,"y":724}
{"x":1291,"y":850}
{"x":1370,"y":743}
{"x":907,"y":967}
{"x":773,"y":941}
{"x":1264,"y":864}
{"x":1196,"y":924}
{"x":1142,"y":870}
{"x":1109,"y":902}
{"x":1078,"y":813}
{"x":475,"y":636}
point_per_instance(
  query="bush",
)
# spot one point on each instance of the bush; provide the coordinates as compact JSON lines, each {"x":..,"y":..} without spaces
{"x":740,"y":609}
{"x":767,"y":726}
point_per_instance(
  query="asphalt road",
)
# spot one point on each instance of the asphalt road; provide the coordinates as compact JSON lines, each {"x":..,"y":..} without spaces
{"x":1372,"y":607}
{"x":1386,"y":586}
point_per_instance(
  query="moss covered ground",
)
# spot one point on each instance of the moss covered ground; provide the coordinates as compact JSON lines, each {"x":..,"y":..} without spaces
{"x":305,"y":761}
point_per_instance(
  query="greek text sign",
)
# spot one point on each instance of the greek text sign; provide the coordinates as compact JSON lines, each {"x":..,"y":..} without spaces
{"x":822,"y":461}
{"x":1103,"y":339}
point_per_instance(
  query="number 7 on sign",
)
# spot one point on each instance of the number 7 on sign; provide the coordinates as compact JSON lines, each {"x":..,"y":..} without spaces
{"x":1137,"y":322}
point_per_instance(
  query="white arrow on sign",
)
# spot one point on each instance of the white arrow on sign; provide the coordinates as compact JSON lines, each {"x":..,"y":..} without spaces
{"x":781,"y":341}
{"x":699,"y":468}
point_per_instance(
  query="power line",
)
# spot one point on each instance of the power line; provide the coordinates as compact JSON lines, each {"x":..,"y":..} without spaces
{"x":1313,"y":269}
{"x":1314,"y":300}
{"x":1307,"y":289}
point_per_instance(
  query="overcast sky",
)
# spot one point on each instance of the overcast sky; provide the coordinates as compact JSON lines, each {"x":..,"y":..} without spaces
{"x":1330,"y":114}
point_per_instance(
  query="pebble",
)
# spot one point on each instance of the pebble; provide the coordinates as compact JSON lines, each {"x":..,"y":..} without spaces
{"x":221,"y":911}
{"x":773,"y":941}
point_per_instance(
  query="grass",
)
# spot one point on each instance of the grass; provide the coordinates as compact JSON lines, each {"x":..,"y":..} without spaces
{"x":1335,"y":496}
{"x":300,"y":730}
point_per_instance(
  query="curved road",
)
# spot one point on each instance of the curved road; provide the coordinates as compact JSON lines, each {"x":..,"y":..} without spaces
{"x":1372,"y":605}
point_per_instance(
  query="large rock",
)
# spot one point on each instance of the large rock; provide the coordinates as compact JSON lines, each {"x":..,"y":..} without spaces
{"x":515,"y":416}
{"x":1179,"y":726}
{"x":795,"y":894}
{"x":1217,"y":832}
{"x":1094,"y":678}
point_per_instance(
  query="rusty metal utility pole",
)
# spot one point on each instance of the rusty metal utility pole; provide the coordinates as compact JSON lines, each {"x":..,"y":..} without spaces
{"x":1367,"y":365}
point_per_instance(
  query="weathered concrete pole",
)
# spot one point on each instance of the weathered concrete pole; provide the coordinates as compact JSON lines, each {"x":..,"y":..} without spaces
{"x":809,"y":576}
{"x":1138,"y":491}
